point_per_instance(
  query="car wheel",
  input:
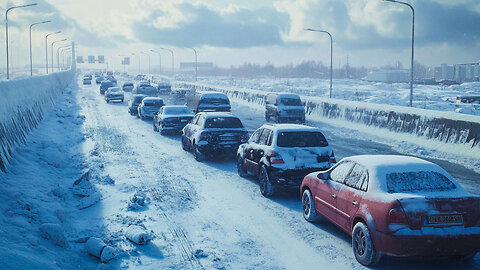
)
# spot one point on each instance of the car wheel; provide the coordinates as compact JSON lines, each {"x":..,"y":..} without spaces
{"x":266,"y":187}
{"x":155,"y":128}
{"x":184,"y":143}
{"x":362,"y":245}
{"x":196,"y":153}
{"x":121,"y":100}
{"x":240,"y":167}
{"x":308,"y":207}
{"x":267,"y":117}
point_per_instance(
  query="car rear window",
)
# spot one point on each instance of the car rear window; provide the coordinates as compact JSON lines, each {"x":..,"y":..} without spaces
{"x":418,"y":181}
{"x":176,"y":110}
{"x":154,"y":103}
{"x":215,"y":101}
{"x":301,"y":139}
{"x":291,"y":101}
{"x":223,"y":122}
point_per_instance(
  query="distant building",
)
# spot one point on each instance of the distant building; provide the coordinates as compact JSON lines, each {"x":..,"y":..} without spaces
{"x":388,"y":76}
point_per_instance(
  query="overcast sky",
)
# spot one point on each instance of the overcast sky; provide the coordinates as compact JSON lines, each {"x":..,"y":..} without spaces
{"x":369,"y":32}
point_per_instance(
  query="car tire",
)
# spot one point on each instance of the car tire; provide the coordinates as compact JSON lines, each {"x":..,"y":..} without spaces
{"x":308,"y":207}
{"x":362,"y":246}
{"x":267,"y":117}
{"x":155,"y":128}
{"x":184,"y":144}
{"x":121,"y":100}
{"x":196,"y":153}
{"x":266,"y":187}
{"x":240,"y":167}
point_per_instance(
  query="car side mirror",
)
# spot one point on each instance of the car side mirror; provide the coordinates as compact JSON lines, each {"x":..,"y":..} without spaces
{"x":323,"y":176}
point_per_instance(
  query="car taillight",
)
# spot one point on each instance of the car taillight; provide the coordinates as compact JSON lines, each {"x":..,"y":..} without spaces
{"x":396,"y":216}
{"x":275,"y":158}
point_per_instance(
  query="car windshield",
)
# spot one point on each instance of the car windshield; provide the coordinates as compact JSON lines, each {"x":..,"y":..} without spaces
{"x":291,"y":101}
{"x":128,"y":84}
{"x":176,"y":110}
{"x":418,"y":181}
{"x":114,"y":90}
{"x":153,"y":103}
{"x":301,"y":139}
{"x":223,"y":122}
{"x":215,"y":101}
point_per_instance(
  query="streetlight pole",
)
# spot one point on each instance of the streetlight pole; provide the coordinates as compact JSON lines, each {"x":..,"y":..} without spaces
{"x":160,"y":63}
{"x":196,"y":63}
{"x":6,"y":32}
{"x":331,"y":54}
{"x":173,"y":59}
{"x":413,"y":45}
{"x":53,"y":43}
{"x":46,"y":48}
{"x":58,"y":55}
{"x":148,"y":60}
{"x":138,"y":58}
{"x":64,"y":55}
{"x":30,"y":35}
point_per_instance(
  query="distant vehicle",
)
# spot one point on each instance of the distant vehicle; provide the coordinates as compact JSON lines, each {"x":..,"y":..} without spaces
{"x":87,"y":81}
{"x":114,"y":93}
{"x":89,"y":76}
{"x":99,"y":79}
{"x":149,"y":107}
{"x":284,"y":107}
{"x":395,"y":205}
{"x":164,"y":88}
{"x":113,"y":80}
{"x":208,"y":102}
{"x":213,"y":133}
{"x":448,"y":82}
{"x":109,"y":74}
{"x":172,"y":119}
{"x":469,"y":99}
{"x":133,"y":106}
{"x":280,"y":155}
{"x":128,"y":86}
{"x":144,"y":87}
{"x":104,"y":86}
{"x":179,"y":96}
{"x":139,"y":77}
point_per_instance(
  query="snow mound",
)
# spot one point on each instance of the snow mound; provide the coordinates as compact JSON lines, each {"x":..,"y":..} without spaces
{"x":138,"y":235}
{"x":53,"y":232}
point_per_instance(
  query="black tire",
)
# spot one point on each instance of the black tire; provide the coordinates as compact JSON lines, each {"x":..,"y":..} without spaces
{"x":267,"y":117}
{"x":108,"y":101}
{"x":308,"y":207}
{"x":362,"y":246}
{"x":184,"y":144}
{"x":121,"y":100}
{"x":196,"y":153}
{"x":266,"y":187}
{"x":155,"y":128}
{"x":240,"y":167}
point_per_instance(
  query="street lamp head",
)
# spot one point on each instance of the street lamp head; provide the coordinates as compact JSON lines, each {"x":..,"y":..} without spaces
{"x":46,"y":21}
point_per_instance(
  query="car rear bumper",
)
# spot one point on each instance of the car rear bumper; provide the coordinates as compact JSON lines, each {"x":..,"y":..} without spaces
{"x":289,"y":178}
{"x":296,"y":118}
{"x":219,"y":148}
{"x":428,"y":245}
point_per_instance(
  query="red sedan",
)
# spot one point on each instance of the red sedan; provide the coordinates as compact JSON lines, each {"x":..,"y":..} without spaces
{"x":395,"y":205}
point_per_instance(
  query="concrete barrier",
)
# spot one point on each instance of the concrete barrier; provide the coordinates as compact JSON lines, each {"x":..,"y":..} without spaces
{"x":23,"y":103}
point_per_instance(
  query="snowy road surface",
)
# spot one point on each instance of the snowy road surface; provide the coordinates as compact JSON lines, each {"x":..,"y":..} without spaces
{"x":206,"y":208}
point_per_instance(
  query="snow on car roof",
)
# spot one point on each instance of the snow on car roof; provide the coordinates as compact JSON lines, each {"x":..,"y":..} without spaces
{"x":175,"y":106}
{"x":287,"y":95}
{"x":217,"y":114}
{"x":214,"y":95}
{"x":285,"y":127}
{"x":152,"y":99}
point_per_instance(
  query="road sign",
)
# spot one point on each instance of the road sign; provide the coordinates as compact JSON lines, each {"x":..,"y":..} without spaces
{"x":79,"y":59}
{"x":101,"y":59}
{"x":126,"y":61}
{"x":91,"y":59}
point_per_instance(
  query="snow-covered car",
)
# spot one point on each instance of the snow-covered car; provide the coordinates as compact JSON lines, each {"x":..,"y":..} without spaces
{"x":128,"y":86}
{"x":164,"y":88}
{"x":280,"y":155}
{"x":213,"y":133}
{"x":172,"y":119}
{"x":208,"y":102}
{"x":134,"y":102}
{"x":395,"y":205}
{"x":144,"y":87}
{"x":104,"y":86}
{"x":87,"y":81}
{"x":149,"y":107}
{"x":284,"y":107}
{"x":99,"y":79}
{"x":114,"y":93}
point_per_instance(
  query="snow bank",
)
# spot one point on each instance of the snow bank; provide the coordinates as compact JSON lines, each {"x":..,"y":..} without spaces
{"x":447,"y":127}
{"x":23,"y":105}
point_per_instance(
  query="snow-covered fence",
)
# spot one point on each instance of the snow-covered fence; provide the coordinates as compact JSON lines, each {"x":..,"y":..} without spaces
{"x":23,"y":103}
{"x":448,"y":127}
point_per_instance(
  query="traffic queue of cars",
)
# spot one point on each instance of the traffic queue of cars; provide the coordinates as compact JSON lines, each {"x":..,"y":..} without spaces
{"x":394,"y":205}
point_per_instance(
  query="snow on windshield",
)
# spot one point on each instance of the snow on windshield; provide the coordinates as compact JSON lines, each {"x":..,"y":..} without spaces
{"x":418,"y":181}
{"x":301,"y":139}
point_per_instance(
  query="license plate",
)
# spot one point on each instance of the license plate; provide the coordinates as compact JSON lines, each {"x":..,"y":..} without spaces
{"x":445,"y":219}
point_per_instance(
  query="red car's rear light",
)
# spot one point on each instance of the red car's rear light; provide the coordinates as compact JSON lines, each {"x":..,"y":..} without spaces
{"x":275,"y":158}
{"x":397,"y":216}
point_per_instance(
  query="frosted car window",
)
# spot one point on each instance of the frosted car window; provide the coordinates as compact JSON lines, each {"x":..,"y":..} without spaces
{"x":291,"y":101}
{"x":339,"y":173}
{"x":418,"y":181}
{"x":264,"y":136}
{"x":223,"y":122}
{"x":357,"y":177}
{"x":255,"y":136}
{"x":301,"y":139}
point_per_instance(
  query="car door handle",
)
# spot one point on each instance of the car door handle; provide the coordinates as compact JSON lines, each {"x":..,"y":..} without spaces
{"x":334,"y":196}
{"x":354,"y":203}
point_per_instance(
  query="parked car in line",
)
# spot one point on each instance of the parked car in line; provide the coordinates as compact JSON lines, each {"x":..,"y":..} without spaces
{"x":172,"y":119}
{"x":87,"y":81}
{"x":144,"y":87}
{"x":280,"y":155}
{"x":104,"y":86}
{"x":178,"y":96}
{"x":114,"y":93}
{"x":213,"y":133}
{"x":164,"y":88}
{"x":149,"y":107}
{"x":113,"y":80}
{"x":134,"y":102}
{"x":128,"y":86}
{"x":395,"y":205}
{"x":99,"y":79}
{"x":208,"y":102}
{"x":284,"y":107}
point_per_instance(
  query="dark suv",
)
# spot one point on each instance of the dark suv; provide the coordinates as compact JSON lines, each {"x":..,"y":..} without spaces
{"x":104,"y":86}
{"x":208,"y":102}
{"x":281,"y":155}
{"x":133,"y":106}
{"x":284,"y":107}
{"x":213,"y":133}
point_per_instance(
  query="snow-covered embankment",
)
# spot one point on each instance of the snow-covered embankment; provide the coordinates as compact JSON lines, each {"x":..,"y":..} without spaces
{"x":23,"y":104}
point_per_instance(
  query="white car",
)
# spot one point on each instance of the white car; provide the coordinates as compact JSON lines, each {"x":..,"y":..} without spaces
{"x":149,"y":107}
{"x":172,"y":119}
{"x":127,"y":86}
{"x":114,"y":93}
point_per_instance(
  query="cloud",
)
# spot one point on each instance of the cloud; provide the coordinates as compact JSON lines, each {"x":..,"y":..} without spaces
{"x":199,"y":25}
